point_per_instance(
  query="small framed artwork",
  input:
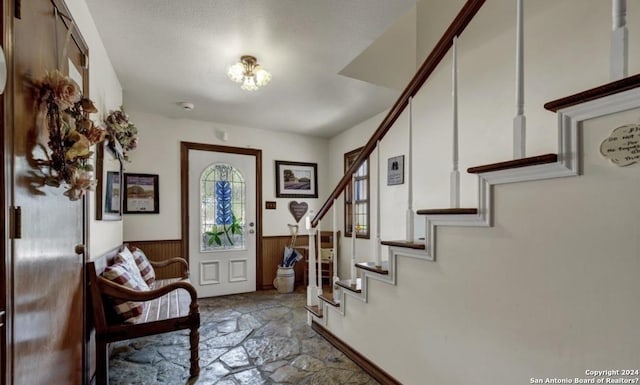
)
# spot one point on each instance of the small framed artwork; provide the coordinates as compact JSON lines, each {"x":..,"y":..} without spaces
{"x":113,"y":199}
{"x":109,"y":184}
{"x":395,"y":170}
{"x":296,"y":179}
{"x":141,"y":194}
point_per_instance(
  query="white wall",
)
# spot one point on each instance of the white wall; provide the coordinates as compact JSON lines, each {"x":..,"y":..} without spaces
{"x":158,"y":152}
{"x":106,"y":92}
{"x":538,"y":294}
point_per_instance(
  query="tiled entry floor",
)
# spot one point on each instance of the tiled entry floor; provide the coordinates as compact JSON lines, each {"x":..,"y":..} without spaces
{"x":245,"y":339}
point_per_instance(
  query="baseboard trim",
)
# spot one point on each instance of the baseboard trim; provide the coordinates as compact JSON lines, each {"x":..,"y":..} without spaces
{"x":372,"y":369}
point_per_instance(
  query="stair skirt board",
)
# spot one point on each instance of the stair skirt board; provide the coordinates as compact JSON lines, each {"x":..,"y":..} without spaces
{"x":369,"y":367}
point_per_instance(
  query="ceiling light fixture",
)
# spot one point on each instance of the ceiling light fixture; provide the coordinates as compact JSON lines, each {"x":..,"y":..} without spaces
{"x":249,"y":74}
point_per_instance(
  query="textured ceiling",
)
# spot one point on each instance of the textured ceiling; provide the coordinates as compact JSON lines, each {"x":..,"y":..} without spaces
{"x":168,"y":51}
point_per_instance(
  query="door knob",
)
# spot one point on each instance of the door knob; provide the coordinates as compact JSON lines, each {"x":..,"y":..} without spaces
{"x":250,"y":224}
{"x":80,"y":249}
{"x":252,"y":231}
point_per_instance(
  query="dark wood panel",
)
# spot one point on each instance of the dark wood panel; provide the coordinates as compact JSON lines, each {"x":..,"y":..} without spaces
{"x":612,"y":88}
{"x":371,"y":266}
{"x":516,"y":163}
{"x":161,"y":251}
{"x":449,"y":211}
{"x":409,"y":245}
{"x":372,"y":369}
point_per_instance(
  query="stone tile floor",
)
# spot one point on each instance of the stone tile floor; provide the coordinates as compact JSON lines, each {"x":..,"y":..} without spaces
{"x":245,"y":339}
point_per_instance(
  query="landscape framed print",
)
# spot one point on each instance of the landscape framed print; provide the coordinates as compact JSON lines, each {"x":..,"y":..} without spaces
{"x":141,"y":194}
{"x":296,"y":179}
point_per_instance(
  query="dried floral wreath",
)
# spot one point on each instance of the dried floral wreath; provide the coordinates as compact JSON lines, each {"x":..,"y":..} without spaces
{"x":64,"y":113}
{"x":122,"y":130}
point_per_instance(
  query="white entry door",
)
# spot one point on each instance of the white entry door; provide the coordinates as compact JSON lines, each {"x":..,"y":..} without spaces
{"x":222,"y":222}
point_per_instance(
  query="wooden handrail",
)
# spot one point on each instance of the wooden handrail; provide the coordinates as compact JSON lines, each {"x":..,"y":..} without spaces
{"x":458,"y":25}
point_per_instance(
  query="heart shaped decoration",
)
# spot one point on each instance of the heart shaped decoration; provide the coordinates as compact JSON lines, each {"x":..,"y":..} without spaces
{"x":298,"y":209}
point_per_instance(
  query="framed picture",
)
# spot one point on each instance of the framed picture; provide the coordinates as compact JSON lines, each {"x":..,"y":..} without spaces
{"x":113,"y":199}
{"x":109,"y":184}
{"x":141,"y":194}
{"x":296,"y":179}
{"x":395,"y":170}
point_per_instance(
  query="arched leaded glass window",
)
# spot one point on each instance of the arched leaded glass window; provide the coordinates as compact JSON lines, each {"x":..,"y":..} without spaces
{"x":222,"y":208}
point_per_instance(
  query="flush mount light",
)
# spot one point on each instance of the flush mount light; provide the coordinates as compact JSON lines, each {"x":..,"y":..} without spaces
{"x":249,"y":74}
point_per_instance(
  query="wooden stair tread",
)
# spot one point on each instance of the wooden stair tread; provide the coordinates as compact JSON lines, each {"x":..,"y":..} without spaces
{"x":371,"y":266}
{"x":349,"y":285}
{"x":515,"y":163}
{"x":451,"y":211}
{"x":407,"y":244}
{"x":329,"y":300}
{"x":315,"y":310}
{"x":595,"y":93}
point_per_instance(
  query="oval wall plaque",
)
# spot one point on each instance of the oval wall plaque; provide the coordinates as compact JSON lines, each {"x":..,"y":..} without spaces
{"x":622,"y":147}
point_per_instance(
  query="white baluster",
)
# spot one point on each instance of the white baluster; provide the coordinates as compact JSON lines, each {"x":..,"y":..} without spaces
{"x":335,"y":278}
{"x":312,"y":295}
{"x":519,"y":122}
{"x":409,"y":215}
{"x":377,"y":245}
{"x":455,"y":174}
{"x":619,"y":59}
{"x":319,"y":287}
{"x":353,"y":227}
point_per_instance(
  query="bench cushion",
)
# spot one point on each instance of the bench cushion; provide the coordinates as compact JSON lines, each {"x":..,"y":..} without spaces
{"x":171,"y":305}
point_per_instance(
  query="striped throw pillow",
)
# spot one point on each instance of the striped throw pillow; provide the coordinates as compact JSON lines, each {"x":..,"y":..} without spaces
{"x":146,"y":270}
{"x":121,"y":274}
{"x":126,"y":257}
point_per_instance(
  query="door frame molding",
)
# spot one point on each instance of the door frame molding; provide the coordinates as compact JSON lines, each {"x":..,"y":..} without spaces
{"x":184,"y":194}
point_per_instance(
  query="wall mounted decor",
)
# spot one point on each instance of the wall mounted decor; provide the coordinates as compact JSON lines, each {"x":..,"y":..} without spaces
{"x":109,"y":187}
{"x":622,"y":147}
{"x":142,"y":195}
{"x":298,"y":209}
{"x":296,"y":179}
{"x":64,"y":113}
{"x":122,"y":131}
{"x":395,"y":170}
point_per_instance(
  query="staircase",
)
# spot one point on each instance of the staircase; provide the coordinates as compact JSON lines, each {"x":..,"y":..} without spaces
{"x":524,"y":311}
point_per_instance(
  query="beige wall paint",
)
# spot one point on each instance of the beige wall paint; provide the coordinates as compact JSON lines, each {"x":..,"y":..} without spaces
{"x":541,"y":293}
{"x":106,"y":92}
{"x":158,"y":152}
{"x":390,"y":61}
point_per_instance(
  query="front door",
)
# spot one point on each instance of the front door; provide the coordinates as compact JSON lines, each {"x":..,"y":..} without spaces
{"x":46,"y":293}
{"x":222,"y":222}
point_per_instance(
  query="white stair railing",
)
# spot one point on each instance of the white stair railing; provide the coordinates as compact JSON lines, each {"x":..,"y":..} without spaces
{"x":455,"y":173}
{"x":619,"y":59}
{"x":519,"y":122}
